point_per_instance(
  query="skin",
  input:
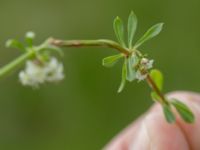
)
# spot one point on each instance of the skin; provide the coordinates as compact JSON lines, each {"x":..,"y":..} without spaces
{"x":152,"y":132}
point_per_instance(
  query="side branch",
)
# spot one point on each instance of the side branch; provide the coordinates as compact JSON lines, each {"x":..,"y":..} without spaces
{"x":61,"y":43}
{"x":82,"y":43}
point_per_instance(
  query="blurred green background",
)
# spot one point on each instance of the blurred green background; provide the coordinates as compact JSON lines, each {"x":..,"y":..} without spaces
{"x":84,"y":112}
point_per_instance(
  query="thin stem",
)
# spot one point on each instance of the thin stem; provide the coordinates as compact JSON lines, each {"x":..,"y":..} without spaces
{"x":15,"y":63}
{"x":61,"y":43}
{"x":156,"y":89}
{"x":82,"y":43}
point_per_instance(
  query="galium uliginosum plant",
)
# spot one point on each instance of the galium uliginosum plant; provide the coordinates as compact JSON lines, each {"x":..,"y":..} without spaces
{"x":42,"y":67}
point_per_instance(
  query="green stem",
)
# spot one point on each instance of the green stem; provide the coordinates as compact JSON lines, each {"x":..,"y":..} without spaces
{"x":61,"y":43}
{"x":15,"y":63}
{"x":82,"y":43}
{"x":154,"y":87}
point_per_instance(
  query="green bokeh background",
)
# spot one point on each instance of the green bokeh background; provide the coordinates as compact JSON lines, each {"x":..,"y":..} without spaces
{"x":84,"y":112}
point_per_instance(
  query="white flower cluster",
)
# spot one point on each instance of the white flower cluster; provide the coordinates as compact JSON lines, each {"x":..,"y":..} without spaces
{"x":145,"y":64}
{"x":36,"y":74}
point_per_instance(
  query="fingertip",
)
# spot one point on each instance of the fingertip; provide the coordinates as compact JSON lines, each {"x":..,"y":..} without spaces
{"x":191,"y":131}
{"x":155,"y":133}
{"x":142,"y":140}
{"x":161,"y":133}
{"x":122,"y":140}
{"x":152,"y":131}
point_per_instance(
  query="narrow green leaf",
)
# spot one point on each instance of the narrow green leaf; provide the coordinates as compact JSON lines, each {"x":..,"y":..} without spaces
{"x":131,"y":72}
{"x":111,"y":60}
{"x":119,"y":30}
{"x":12,"y":43}
{"x":184,"y":111}
{"x":132,"y":26}
{"x":168,"y":114}
{"x":152,"y":32}
{"x":29,"y":38}
{"x":157,"y":77}
{"x":124,"y":73}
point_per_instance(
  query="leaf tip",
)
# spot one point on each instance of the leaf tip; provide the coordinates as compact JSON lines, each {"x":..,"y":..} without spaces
{"x":117,"y":19}
{"x":30,"y":35}
{"x":132,"y":13}
{"x":119,"y":90}
{"x":8,"y":43}
{"x":160,"y":25}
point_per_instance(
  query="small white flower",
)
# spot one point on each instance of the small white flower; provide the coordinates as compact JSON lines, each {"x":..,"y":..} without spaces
{"x":36,"y":74}
{"x":54,"y":71}
{"x":145,"y":64}
{"x":140,"y":76}
{"x":150,"y":64}
{"x":33,"y":74}
{"x":144,"y":61}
